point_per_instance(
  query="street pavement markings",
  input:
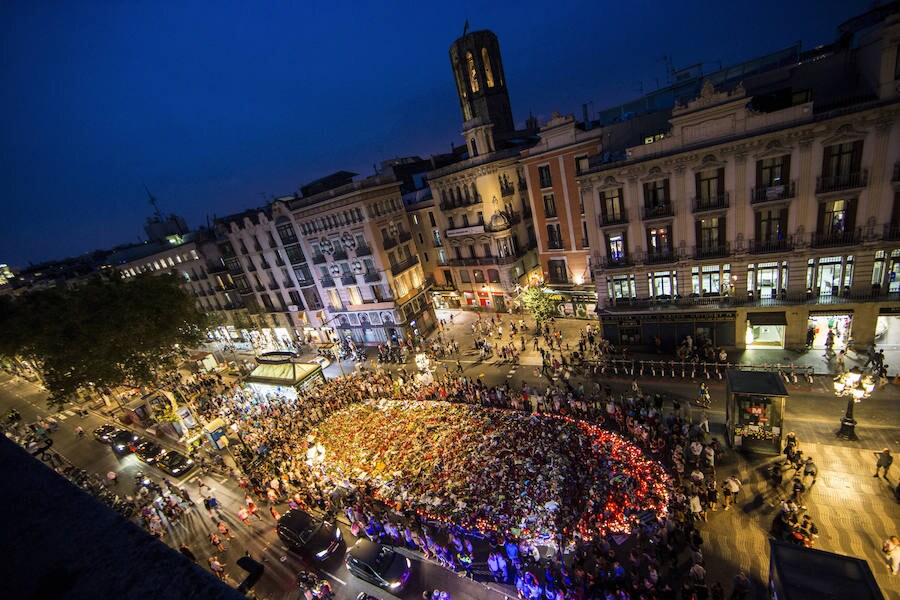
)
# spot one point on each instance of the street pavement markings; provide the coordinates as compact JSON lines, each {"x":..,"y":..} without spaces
{"x":335,"y":577}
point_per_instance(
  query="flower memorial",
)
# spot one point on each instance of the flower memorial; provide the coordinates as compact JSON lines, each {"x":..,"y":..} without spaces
{"x":488,"y":469}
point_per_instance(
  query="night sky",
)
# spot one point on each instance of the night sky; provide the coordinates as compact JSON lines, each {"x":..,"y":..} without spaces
{"x":220,"y":106}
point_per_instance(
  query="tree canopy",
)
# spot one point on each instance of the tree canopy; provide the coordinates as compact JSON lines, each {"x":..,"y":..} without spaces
{"x":539,"y":304}
{"x":106,"y":332}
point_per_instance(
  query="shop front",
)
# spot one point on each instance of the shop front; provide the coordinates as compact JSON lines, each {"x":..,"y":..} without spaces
{"x":754,"y":411}
{"x":821,"y":322}
{"x":671,"y":328}
{"x":887,"y":328}
{"x":765,"y":329}
{"x":578,"y":304}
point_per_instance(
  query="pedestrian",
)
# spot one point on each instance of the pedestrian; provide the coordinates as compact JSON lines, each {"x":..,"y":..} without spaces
{"x":730,"y":490}
{"x":217,"y":567}
{"x":79,"y":431}
{"x":201,"y":485}
{"x":224,"y":531}
{"x":186,"y":551}
{"x":742,"y":586}
{"x":183,"y":493}
{"x":797,"y":490}
{"x":113,"y":477}
{"x":244,"y":515}
{"x":211,"y":504}
{"x":884,"y":462}
{"x":216,"y":541}
{"x":275,"y":514}
{"x":810,"y":470}
{"x":251,"y":507}
{"x":891,"y":549}
{"x":841,"y":362}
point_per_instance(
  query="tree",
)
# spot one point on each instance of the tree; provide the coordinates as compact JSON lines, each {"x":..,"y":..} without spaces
{"x":538,"y":303}
{"x":106,"y":332}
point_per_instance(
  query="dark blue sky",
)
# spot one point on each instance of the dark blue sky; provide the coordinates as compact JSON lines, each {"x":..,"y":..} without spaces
{"x":218,"y":106}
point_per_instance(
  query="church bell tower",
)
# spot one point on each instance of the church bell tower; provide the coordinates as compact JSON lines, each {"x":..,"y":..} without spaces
{"x":481,"y":88}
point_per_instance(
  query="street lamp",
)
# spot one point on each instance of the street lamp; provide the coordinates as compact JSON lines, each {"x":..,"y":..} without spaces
{"x":856,"y":387}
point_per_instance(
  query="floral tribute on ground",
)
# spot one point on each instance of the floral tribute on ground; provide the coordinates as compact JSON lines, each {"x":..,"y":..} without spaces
{"x":532,"y":476}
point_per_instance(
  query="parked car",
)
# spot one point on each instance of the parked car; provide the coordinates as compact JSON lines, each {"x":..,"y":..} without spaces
{"x":122,"y":442}
{"x":302,"y":531}
{"x":174,"y":463}
{"x":102,"y":433}
{"x":378,"y":564}
{"x":148,"y":451}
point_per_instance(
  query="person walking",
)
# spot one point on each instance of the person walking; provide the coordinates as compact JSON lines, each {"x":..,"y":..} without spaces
{"x":216,"y":541}
{"x":810,"y":470}
{"x":891,"y":549}
{"x":224,"y":531}
{"x":884,"y":462}
{"x":201,"y":485}
{"x":217,"y":567}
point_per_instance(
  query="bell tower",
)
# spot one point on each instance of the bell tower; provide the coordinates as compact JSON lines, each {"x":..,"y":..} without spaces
{"x":481,"y":88}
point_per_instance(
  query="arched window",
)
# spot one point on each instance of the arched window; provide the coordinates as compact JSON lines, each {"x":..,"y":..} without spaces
{"x":488,"y":74}
{"x":473,"y":74}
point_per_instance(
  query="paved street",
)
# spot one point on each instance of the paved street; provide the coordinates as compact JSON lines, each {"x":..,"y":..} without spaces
{"x":853,"y":510}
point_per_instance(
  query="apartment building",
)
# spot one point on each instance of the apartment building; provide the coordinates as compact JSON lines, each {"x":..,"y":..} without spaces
{"x":766,"y":210}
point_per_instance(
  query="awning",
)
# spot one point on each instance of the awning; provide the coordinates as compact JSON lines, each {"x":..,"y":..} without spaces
{"x":767,"y":318}
{"x":286,"y":374}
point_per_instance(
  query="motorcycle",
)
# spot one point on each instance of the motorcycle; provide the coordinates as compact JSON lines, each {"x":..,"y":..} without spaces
{"x":309,"y":582}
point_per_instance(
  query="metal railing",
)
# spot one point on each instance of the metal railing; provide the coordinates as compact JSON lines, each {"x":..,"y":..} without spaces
{"x":766,"y":246}
{"x":833,"y":239}
{"x":658,"y":211}
{"x":619,"y":219}
{"x":845,"y":181}
{"x":404,"y":265}
{"x":717,"y":202}
{"x":327,"y":282}
{"x":782,"y":298}
{"x":891,"y":232}
{"x":712,"y":251}
{"x":704,"y":371}
{"x":372,"y":277}
{"x":660,"y":257}
{"x":773,"y":193}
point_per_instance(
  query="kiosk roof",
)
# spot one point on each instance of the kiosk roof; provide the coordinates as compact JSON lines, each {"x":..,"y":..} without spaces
{"x":756,"y":383}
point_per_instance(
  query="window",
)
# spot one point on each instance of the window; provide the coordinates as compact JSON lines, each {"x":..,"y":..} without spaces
{"x":488,"y":72}
{"x":493,"y":275}
{"x":295,"y":299}
{"x":486,"y":248}
{"x":554,"y":237}
{"x":415,"y":219}
{"x":616,"y":245}
{"x":431,"y":219}
{"x":464,"y":276}
{"x":706,"y":281}
{"x":656,"y":194}
{"x":771,"y":225}
{"x":478,"y":275}
{"x":480,"y":216}
{"x":711,"y":233}
{"x":611,"y":206}
{"x":840,"y":160}
{"x":773,"y":171}
{"x":473,"y":73}
{"x":313,"y":302}
{"x":878,"y":268}
{"x":836,"y":217}
{"x":355,"y":295}
{"x":294,"y":254}
{"x":544,"y":176}
{"x":662,"y":284}
{"x":581,"y":164}
{"x":436,"y":235}
{"x":557,"y":271}
{"x":621,"y":286}
{"x":302,"y":274}
{"x":584,"y":235}
{"x":549,"y":206}
{"x":450,"y":223}
{"x":334,"y":299}
{"x":241,"y":283}
{"x":710,"y":185}
{"x":658,"y":240}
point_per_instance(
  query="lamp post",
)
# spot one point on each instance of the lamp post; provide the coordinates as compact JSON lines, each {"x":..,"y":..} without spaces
{"x":855,"y":386}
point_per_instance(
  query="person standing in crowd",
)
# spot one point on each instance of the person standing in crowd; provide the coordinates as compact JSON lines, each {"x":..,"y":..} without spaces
{"x":810,"y":470}
{"x":884,"y":462}
{"x":891,"y":549}
{"x":186,"y":551}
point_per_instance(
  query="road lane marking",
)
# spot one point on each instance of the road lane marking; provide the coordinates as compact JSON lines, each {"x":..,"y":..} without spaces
{"x":335,"y":577}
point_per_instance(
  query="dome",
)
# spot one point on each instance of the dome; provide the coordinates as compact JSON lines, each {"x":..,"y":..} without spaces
{"x":499,"y":221}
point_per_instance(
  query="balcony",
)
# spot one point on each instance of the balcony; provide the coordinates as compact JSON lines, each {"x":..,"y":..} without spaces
{"x":712,"y":251}
{"x":389,"y":242}
{"x":213,"y":268}
{"x":891,"y":232}
{"x":260,"y":288}
{"x":403,"y":266}
{"x":659,"y":211}
{"x":348,"y":280}
{"x":769,"y":246}
{"x":274,"y":286}
{"x":339,"y":254}
{"x":507,"y":190}
{"x":363,"y":251}
{"x":318,"y":259}
{"x":833,"y":239}
{"x":847,"y":181}
{"x":660,"y":257}
{"x":508,"y":221}
{"x":619,"y":262}
{"x":727,"y":301}
{"x":405,"y":236}
{"x":372,"y":277}
{"x":614,"y":219}
{"x":717,"y":202}
{"x":327,"y":282}
{"x":773,"y":193}
{"x":558,"y":280}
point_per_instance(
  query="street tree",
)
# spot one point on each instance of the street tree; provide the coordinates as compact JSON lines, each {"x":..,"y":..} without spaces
{"x":538,"y":303}
{"x":105,"y":333}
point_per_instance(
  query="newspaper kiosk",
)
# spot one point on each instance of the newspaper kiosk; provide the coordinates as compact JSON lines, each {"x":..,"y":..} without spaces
{"x":754,"y":410}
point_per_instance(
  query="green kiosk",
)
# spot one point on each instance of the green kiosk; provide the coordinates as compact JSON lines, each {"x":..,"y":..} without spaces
{"x":754,"y":410}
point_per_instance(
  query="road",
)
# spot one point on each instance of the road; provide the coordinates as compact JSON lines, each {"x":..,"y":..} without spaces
{"x":282,"y":565}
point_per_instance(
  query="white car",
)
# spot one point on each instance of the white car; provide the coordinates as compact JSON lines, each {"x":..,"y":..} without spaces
{"x":322,"y":361}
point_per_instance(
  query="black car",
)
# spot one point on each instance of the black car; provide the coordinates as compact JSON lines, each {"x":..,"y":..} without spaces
{"x":302,"y":531}
{"x":102,"y":433}
{"x":378,"y":564}
{"x":148,"y":451}
{"x":174,"y":463}
{"x":122,"y":441}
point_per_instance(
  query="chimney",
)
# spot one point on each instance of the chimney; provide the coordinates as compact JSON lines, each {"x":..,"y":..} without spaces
{"x":587,"y":121}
